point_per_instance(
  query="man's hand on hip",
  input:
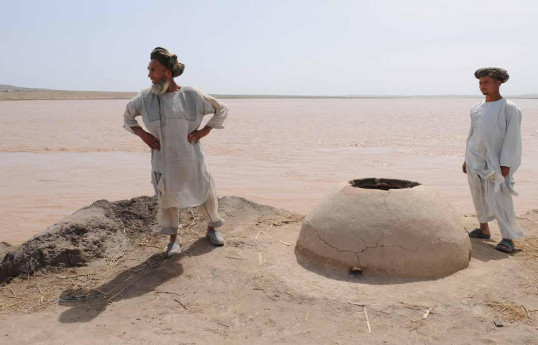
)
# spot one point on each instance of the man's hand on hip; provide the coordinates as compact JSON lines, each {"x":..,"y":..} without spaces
{"x":198,"y":134}
{"x":505,"y":171}
{"x":148,"y":138}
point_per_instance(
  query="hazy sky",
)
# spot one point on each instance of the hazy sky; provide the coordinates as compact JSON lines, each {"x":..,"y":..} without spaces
{"x":272,"y":47}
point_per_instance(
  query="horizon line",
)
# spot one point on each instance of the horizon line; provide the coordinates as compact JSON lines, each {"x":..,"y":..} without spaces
{"x":15,"y":89}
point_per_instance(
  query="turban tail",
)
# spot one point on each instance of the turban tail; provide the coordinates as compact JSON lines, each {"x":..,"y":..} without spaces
{"x":168,"y":60}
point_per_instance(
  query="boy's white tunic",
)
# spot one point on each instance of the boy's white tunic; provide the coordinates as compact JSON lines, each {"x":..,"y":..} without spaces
{"x":179,"y":172}
{"x":494,"y":141}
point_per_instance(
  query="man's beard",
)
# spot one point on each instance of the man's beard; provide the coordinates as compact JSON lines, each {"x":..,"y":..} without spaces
{"x":161,"y":87}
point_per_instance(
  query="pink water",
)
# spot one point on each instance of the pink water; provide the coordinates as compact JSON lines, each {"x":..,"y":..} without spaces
{"x":58,"y":156}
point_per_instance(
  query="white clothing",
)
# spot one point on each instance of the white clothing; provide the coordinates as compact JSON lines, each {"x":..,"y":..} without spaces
{"x":169,"y":220}
{"x":179,"y":172}
{"x":491,"y":204}
{"x":494,"y":140}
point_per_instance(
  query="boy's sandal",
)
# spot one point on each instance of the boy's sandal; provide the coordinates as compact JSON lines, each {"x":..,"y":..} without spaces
{"x":506,"y":246}
{"x":477,"y":233}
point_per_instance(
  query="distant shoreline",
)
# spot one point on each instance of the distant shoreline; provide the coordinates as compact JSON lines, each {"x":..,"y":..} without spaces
{"x":30,"y":94}
{"x":62,"y":95}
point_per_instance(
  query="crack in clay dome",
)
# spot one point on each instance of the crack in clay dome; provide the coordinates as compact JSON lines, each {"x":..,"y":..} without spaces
{"x":383,"y":183}
{"x":410,"y":233}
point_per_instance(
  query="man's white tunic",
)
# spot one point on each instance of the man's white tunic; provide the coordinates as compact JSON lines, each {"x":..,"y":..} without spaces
{"x":179,"y":172}
{"x":494,"y":140}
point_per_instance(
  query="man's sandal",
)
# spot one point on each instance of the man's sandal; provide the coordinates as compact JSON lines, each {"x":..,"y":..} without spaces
{"x":215,"y":237}
{"x":172,"y":249}
{"x":506,"y":246}
{"x":477,"y":233}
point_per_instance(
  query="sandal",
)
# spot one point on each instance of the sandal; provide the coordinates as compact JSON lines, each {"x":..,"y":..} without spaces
{"x":477,"y":233}
{"x":506,"y":246}
{"x":215,"y":237}
{"x":173,"y":249}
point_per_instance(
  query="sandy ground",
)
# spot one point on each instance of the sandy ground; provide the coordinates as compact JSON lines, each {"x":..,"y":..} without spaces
{"x":252,"y":290}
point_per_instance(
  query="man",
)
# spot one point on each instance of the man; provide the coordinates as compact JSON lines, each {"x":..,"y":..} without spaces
{"x":172,"y":114}
{"x":492,"y":157}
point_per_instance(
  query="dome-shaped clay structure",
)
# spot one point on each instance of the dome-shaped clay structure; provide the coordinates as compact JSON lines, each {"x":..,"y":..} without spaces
{"x":385,"y":227}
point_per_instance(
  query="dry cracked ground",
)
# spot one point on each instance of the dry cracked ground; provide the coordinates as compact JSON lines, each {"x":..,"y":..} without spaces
{"x":112,"y":285}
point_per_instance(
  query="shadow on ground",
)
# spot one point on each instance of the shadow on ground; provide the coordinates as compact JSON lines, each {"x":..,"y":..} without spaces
{"x":133,"y":282}
{"x":484,"y":250}
{"x":348,"y":276}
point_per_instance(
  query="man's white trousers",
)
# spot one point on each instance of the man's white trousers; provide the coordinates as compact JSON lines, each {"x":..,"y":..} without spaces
{"x":169,"y":217}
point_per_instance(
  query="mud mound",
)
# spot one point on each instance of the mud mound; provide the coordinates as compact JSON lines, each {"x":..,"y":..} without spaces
{"x":105,"y":230}
{"x":5,"y":248}
{"x":243,"y":210}
{"x":91,"y":232}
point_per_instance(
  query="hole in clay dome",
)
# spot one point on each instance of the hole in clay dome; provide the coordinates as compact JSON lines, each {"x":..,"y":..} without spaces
{"x":383,"y":183}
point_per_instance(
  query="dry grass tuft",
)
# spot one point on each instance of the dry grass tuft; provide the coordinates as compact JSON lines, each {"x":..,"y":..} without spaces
{"x":510,"y":312}
{"x":33,"y":293}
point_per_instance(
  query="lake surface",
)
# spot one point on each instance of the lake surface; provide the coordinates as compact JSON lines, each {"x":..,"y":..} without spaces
{"x":59,"y":156}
